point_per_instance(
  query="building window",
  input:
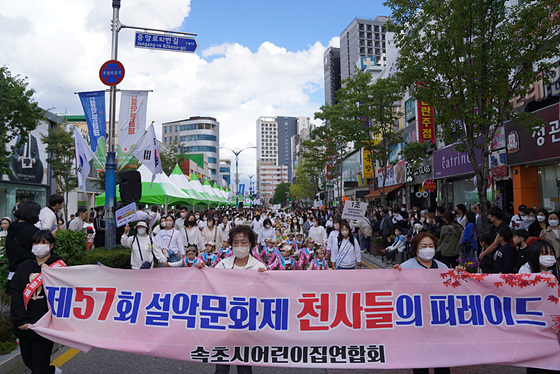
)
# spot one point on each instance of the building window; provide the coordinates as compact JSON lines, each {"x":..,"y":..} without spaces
{"x":212,"y":160}
{"x":165,"y":130}
{"x":368,"y":27}
{"x":360,"y":26}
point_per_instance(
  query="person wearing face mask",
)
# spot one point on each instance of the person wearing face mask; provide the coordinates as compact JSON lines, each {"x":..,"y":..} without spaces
{"x":551,"y":234}
{"x":267,"y":232}
{"x":540,"y":223}
{"x":318,"y":233}
{"x":170,"y":240}
{"x":242,"y":238}
{"x":346,"y":253}
{"x":423,"y":247}
{"x":191,"y":235}
{"x":18,"y":240}
{"x":26,"y":310}
{"x":180,"y":222}
{"x":142,"y":246}
{"x":212,"y":234}
{"x":540,"y":258}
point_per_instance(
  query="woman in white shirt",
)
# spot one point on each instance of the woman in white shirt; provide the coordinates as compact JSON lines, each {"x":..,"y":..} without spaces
{"x":212,"y":234}
{"x":225,"y":226}
{"x":318,"y":232}
{"x":267,"y":232}
{"x":191,"y":235}
{"x":142,"y":247}
{"x":541,"y":258}
{"x":346,"y":253}
{"x":170,"y":240}
{"x":332,"y":241}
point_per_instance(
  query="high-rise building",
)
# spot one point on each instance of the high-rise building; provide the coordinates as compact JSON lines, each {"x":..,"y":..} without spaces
{"x":331,"y":64}
{"x":196,"y":135}
{"x":225,"y":170}
{"x":274,"y":154}
{"x":362,"y":38}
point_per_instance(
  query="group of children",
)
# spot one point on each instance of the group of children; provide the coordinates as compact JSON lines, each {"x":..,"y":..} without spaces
{"x":290,"y":254}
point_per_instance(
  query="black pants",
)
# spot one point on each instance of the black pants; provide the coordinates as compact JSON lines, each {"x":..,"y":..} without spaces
{"x":436,"y":371}
{"x":450,"y":261}
{"x":224,"y":369}
{"x":36,"y":354}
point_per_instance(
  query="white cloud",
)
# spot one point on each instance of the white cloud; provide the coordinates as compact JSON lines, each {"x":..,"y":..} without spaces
{"x":335,"y":42}
{"x":60,"y":45}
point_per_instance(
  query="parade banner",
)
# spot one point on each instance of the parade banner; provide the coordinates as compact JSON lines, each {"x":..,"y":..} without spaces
{"x":93,"y":104}
{"x":382,"y":319}
{"x":132,"y":122}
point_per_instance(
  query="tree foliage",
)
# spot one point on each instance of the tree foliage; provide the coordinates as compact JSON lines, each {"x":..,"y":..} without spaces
{"x":19,"y":113}
{"x":469,"y":58}
{"x":281,"y":194}
{"x":61,"y":149}
{"x":170,"y":155}
{"x":366,"y":116}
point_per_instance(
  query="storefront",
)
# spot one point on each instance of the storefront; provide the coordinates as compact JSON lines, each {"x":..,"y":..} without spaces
{"x":534,"y":158}
{"x":29,"y":177}
{"x":417,"y":196}
{"x":394,"y":182}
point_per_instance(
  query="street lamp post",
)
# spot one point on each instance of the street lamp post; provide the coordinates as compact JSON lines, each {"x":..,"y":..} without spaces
{"x":236,"y":152}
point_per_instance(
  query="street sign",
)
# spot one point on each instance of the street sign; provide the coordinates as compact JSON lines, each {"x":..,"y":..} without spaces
{"x":354,"y":209}
{"x":111,"y":73}
{"x":429,"y":185}
{"x":165,"y":42}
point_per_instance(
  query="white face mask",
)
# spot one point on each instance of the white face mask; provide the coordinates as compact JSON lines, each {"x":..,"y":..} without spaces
{"x":41,"y":250}
{"x":345,"y":232}
{"x":141,"y":231}
{"x":183,"y":215}
{"x":267,"y":226}
{"x":164,"y":224}
{"x":553,"y":222}
{"x":241,"y":252}
{"x":547,"y":261}
{"x":169,"y":224}
{"x":531,"y":219}
{"x":541,"y":218}
{"x":426,"y":253}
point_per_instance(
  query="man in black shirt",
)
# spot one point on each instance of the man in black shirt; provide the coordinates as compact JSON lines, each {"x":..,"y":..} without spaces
{"x":496,"y":218}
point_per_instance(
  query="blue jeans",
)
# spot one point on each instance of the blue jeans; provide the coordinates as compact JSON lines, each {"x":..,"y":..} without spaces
{"x":364,"y":243}
{"x":173,"y":257}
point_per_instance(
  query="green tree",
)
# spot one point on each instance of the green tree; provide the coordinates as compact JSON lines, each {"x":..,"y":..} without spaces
{"x":469,"y":58}
{"x":19,"y":113}
{"x":366,"y":116}
{"x":60,"y":146}
{"x":306,"y":182}
{"x":170,"y":155}
{"x":281,"y":194}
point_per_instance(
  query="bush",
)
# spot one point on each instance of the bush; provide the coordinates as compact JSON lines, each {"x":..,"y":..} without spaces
{"x":7,"y":337}
{"x":114,"y":258}
{"x":71,"y":246}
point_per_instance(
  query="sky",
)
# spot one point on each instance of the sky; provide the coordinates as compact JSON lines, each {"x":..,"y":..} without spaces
{"x":255,"y":58}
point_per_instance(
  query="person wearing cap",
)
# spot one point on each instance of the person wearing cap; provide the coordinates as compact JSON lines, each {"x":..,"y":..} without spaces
{"x":517,"y":220}
{"x":143,"y":246}
{"x":208,"y":257}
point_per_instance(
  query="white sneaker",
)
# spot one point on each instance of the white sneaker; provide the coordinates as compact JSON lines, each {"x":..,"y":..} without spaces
{"x":57,"y":370}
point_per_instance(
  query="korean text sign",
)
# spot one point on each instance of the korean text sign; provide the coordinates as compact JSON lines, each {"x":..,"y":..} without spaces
{"x":425,"y":118}
{"x":354,"y":209}
{"x":334,"y":319}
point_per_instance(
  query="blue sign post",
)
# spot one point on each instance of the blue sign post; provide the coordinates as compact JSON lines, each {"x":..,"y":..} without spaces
{"x":165,"y":42}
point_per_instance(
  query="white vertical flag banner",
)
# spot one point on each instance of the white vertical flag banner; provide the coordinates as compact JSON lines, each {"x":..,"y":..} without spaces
{"x":83,"y":156}
{"x":132,"y":121}
{"x":147,"y":152}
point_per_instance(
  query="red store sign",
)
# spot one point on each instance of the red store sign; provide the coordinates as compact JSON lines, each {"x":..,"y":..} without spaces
{"x":425,"y":118}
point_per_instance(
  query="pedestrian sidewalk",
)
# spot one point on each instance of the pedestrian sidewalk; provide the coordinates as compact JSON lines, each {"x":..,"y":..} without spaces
{"x":374,"y":261}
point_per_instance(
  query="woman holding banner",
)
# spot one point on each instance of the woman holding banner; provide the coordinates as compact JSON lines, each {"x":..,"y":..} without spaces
{"x":346,"y":253}
{"x":29,"y":303}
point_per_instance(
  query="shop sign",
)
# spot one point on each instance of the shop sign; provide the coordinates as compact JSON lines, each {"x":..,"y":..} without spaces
{"x":499,"y":140}
{"x":523,"y":147}
{"x":449,"y":162}
{"x":422,"y":169}
{"x":367,"y":162}
{"x":410,"y":134}
{"x":498,"y":164}
{"x":28,"y":161}
{"x":429,"y":185}
{"x":351,"y":167}
{"x":396,"y":174}
{"x":538,"y":91}
{"x":409,"y":109}
{"x":426,"y":130}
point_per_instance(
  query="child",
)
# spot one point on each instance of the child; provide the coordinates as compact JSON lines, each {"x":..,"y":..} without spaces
{"x":319,"y":262}
{"x":25,"y":310}
{"x":519,"y":239}
{"x":225,"y":251}
{"x":90,"y":236}
{"x":188,"y":262}
{"x":487,"y":264}
{"x":299,"y":242}
{"x":209,"y":258}
{"x":256,"y":254}
{"x":269,"y":252}
{"x":306,"y":253}
{"x":504,"y":257}
{"x":398,"y":246}
{"x":285,"y":261}
{"x":291,"y":240}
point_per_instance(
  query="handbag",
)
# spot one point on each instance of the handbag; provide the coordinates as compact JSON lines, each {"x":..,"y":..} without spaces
{"x":190,"y":246}
{"x":145,"y":264}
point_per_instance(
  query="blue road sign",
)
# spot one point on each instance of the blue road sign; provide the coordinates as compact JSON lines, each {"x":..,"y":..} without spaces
{"x":241,"y":190}
{"x":165,"y":42}
{"x":111,"y":73}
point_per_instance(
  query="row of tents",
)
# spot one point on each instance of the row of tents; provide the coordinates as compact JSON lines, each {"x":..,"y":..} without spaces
{"x":177,"y":189}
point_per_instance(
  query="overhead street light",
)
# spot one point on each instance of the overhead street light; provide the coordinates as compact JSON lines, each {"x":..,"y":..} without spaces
{"x":236,"y":152}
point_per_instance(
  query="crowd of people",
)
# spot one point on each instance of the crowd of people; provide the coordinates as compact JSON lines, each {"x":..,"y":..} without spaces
{"x":270,"y":240}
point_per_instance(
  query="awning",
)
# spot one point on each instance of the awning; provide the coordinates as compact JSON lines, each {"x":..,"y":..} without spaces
{"x":377,"y":193}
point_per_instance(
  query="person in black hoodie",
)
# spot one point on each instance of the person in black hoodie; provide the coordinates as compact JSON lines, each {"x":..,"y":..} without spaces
{"x":18,"y":240}
{"x":35,"y":350}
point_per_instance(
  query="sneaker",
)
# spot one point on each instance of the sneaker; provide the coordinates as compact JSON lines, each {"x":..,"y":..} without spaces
{"x":57,"y":370}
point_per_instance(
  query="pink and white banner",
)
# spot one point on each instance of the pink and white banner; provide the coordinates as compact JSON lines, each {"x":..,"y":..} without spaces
{"x":379,"y":319}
